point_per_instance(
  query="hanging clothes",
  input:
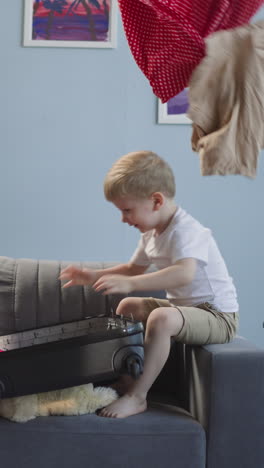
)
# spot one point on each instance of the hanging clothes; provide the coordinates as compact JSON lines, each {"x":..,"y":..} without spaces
{"x":226,"y":96}
{"x":166,"y":37}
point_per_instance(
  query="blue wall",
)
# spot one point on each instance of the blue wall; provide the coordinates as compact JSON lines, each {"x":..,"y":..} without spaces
{"x":65,"y":116}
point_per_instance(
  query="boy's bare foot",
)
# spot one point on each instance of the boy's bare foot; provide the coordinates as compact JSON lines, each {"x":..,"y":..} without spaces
{"x":127,"y":405}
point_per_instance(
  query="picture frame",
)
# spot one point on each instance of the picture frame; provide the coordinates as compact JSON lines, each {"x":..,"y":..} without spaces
{"x":70,"y":23}
{"x":174,"y":111}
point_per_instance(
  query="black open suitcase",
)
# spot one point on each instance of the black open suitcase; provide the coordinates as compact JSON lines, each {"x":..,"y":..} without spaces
{"x":37,"y":359}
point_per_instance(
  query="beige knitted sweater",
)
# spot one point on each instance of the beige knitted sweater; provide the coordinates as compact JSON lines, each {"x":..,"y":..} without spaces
{"x":227,"y":102}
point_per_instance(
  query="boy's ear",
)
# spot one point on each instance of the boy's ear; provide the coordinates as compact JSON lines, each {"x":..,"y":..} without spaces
{"x":158,"y":200}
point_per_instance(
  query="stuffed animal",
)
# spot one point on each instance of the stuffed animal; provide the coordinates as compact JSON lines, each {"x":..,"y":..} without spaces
{"x":68,"y":401}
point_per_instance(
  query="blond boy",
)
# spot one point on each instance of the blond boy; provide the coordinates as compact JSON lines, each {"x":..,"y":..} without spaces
{"x":201,"y":305}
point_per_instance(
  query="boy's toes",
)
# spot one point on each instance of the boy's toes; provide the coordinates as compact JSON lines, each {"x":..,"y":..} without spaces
{"x":127,"y":405}
{"x":104,"y":412}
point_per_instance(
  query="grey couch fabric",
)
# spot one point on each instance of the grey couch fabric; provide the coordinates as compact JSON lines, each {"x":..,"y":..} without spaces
{"x":219,"y":390}
{"x":226,"y":395}
{"x":161,"y":437}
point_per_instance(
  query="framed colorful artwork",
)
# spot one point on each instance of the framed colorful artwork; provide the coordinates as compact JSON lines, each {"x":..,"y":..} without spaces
{"x":174,"y":111}
{"x":70,"y":23}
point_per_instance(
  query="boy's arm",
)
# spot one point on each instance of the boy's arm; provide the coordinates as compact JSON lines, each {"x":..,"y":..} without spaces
{"x":84,"y":276}
{"x":180,"y":274}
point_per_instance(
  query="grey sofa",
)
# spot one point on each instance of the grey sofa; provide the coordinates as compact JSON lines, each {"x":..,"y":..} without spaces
{"x":204,"y":410}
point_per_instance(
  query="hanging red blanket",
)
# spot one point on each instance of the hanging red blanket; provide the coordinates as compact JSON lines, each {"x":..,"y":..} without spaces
{"x":166,"y":37}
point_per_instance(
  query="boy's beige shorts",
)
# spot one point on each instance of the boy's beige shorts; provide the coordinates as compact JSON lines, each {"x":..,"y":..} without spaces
{"x":203,"y":324}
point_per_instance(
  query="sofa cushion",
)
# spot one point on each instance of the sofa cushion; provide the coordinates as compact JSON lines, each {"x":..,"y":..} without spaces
{"x":164,"y":436}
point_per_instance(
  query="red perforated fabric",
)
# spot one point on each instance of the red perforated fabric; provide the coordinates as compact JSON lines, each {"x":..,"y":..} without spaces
{"x":166,"y":37}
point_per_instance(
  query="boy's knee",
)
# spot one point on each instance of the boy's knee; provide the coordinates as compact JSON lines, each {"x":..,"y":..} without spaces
{"x":130,"y":305}
{"x":158,"y":318}
{"x":161,"y":319}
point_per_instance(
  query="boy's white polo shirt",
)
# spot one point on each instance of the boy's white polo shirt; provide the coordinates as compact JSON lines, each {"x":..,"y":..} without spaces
{"x":185,"y":237}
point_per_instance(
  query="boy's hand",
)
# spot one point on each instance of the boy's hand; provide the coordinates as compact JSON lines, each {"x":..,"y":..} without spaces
{"x":77,"y":276}
{"x":114,"y":284}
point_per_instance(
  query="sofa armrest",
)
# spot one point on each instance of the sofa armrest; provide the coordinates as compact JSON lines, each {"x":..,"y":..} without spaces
{"x":226,"y":395}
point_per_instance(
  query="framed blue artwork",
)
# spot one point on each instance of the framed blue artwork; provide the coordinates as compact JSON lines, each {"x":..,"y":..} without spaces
{"x":70,"y":23}
{"x":174,"y":111}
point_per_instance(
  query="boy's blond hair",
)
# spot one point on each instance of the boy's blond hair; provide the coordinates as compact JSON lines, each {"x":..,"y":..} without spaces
{"x":139,"y":174}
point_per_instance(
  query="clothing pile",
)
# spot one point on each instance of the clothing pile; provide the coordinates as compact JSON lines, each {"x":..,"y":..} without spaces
{"x":208,"y":46}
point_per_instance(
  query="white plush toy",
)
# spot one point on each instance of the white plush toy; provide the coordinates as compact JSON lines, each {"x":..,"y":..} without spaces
{"x":68,"y":401}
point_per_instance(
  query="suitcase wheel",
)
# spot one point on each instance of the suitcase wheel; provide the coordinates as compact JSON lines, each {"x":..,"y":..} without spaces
{"x":6,"y":387}
{"x":134,"y":365}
